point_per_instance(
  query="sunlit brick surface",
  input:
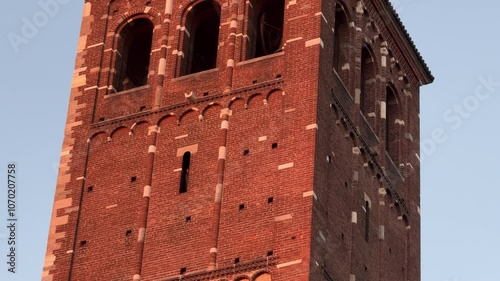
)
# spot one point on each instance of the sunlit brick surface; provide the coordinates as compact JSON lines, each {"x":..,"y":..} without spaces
{"x":281,"y":156}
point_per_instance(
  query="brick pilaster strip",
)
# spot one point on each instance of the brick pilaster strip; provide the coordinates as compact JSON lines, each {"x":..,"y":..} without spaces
{"x":231,"y":46}
{"x":163,"y":55}
{"x":221,"y":162}
{"x":142,"y":218}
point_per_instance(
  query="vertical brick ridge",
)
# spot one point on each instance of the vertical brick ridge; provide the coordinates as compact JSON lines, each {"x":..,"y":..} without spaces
{"x":356,"y":115}
{"x":142,"y":218}
{"x":232,"y":46}
{"x":216,"y":212}
{"x":407,"y":254}
{"x":63,"y":197}
{"x":162,"y":64}
{"x":381,"y":240}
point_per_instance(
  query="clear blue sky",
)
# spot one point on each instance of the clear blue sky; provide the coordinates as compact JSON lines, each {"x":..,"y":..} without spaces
{"x":460,"y":167}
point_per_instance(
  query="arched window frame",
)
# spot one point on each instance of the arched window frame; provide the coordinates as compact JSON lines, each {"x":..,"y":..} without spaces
{"x":341,"y":41}
{"x":120,"y":80}
{"x":368,"y":84}
{"x":254,"y":40}
{"x":188,"y":41}
{"x":392,"y":123}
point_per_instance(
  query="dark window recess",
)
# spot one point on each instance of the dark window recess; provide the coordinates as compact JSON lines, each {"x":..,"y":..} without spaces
{"x":188,"y":219}
{"x":183,"y":270}
{"x":132,"y":58}
{"x":265,"y":28}
{"x":90,"y":188}
{"x":367,"y":221}
{"x":391,"y":128}
{"x":186,"y":162}
{"x":367,"y":101}
{"x":340,"y":39}
{"x":270,"y":200}
{"x":133,"y":179}
{"x":274,"y":145}
{"x":101,"y":119}
{"x":246,"y":151}
{"x":269,"y":253}
{"x":83,"y":243}
{"x":200,"y":48}
{"x":237,"y":260}
{"x":242,"y":206}
{"x":142,"y":108}
{"x":128,"y":232}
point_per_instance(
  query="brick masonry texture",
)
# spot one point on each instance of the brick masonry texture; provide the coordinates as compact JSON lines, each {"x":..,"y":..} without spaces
{"x":288,"y":180}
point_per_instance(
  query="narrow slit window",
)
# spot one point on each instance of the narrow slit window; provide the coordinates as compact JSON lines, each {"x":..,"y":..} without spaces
{"x":201,"y":38}
{"x":265,"y":28}
{"x":186,"y":162}
{"x":132,"y":58}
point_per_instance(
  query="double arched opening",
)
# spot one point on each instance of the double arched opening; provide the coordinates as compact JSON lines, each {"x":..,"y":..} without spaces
{"x":199,"y":41}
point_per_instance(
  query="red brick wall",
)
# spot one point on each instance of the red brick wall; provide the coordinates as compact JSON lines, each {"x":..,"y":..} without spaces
{"x":343,"y":183}
{"x":284,"y":98}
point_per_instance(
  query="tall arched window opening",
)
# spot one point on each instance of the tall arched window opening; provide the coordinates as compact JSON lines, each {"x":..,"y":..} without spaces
{"x":132,"y":58}
{"x":391,"y":126}
{"x":186,"y":162}
{"x":341,"y":39}
{"x":265,"y":28}
{"x":367,"y":99}
{"x":201,"y":38}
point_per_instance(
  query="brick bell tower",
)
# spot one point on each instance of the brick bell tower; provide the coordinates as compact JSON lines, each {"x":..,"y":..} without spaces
{"x":240,"y":140}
